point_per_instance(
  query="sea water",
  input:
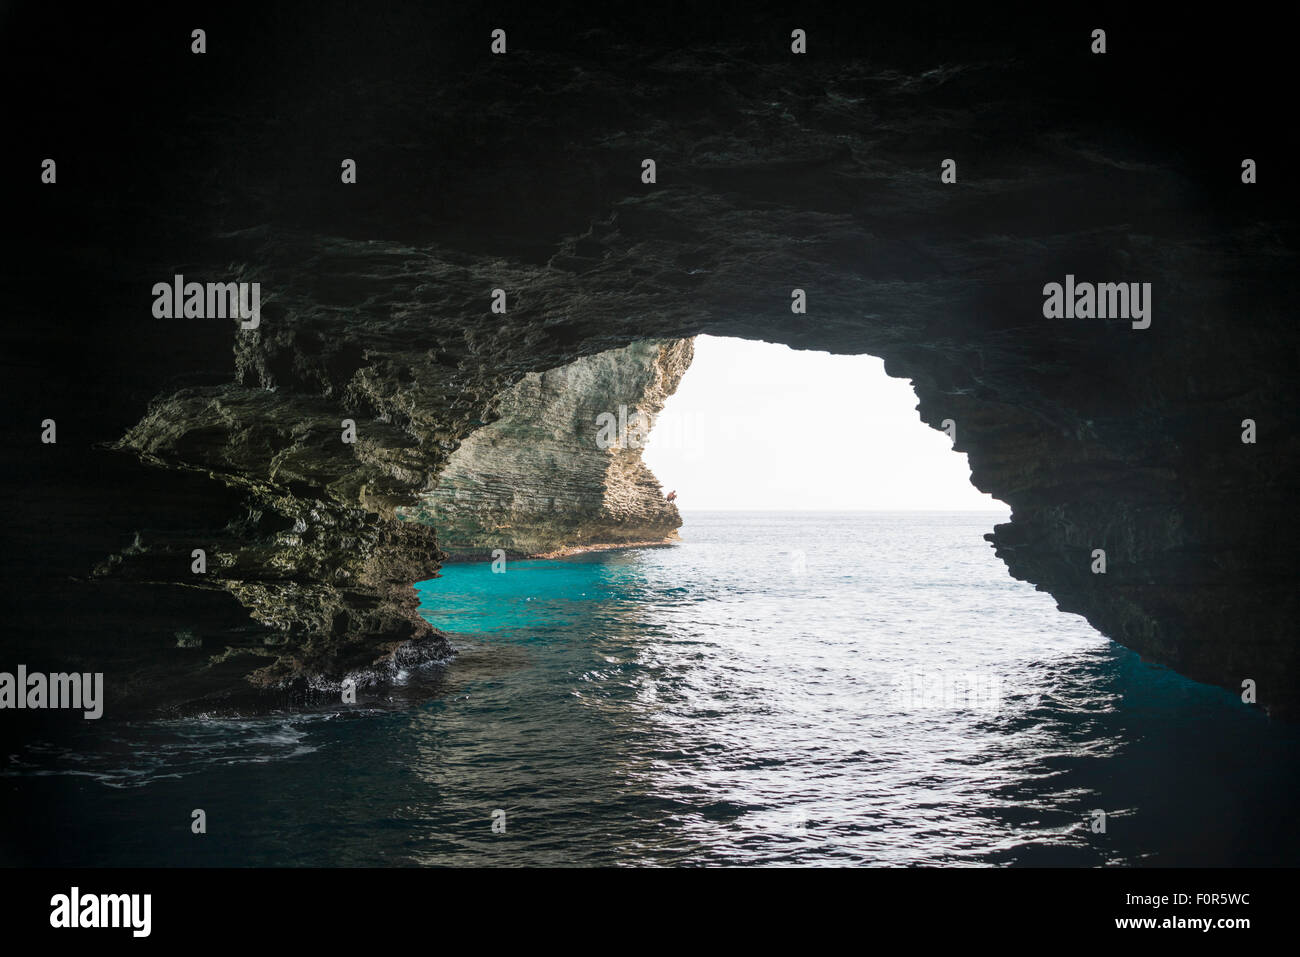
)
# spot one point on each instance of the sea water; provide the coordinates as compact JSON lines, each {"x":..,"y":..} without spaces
{"x":777,"y":689}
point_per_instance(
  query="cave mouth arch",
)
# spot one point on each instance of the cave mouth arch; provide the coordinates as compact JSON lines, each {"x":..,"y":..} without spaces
{"x":807,"y":443}
{"x":770,"y":663}
{"x":576,"y":455}
{"x":849,"y":481}
{"x":755,"y":425}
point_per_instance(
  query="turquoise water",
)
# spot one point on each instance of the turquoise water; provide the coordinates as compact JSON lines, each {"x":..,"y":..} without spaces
{"x":797,"y":689}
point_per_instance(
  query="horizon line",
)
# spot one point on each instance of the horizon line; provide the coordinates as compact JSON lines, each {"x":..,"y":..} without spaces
{"x":831,"y":510}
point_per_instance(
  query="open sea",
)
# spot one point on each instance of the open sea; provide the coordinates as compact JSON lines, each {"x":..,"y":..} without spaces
{"x":778,"y":689}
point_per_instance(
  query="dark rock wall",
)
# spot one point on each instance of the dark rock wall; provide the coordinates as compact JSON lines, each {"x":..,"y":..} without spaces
{"x":523,"y":173}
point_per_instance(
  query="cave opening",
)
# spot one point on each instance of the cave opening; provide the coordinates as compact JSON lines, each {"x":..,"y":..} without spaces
{"x":829,"y":665}
{"x":823,"y":451}
{"x":755,"y":425}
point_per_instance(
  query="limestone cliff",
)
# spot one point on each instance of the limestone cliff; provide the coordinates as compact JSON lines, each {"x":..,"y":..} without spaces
{"x":548,"y":474}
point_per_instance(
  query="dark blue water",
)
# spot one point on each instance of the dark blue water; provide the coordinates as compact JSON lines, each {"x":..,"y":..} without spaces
{"x":778,"y":689}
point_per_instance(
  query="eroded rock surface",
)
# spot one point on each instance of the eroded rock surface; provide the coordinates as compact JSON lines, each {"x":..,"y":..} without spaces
{"x":561,"y":467}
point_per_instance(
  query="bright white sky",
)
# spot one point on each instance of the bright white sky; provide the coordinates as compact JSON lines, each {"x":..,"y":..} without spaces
{"x":757,"y":426}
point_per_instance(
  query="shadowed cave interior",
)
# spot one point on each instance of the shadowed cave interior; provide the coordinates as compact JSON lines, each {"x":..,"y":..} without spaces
{"x":774,"y":173}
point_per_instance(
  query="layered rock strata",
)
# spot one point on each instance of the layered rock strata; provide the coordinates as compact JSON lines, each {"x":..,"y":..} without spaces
{"x":561,"y":467}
